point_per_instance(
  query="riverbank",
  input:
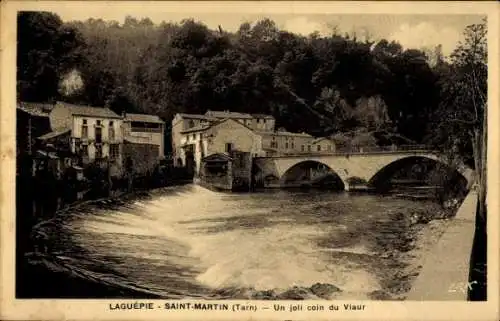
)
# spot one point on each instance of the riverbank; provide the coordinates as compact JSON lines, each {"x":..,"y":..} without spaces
{"x":446,"y":273}
{"x":422,"y":238}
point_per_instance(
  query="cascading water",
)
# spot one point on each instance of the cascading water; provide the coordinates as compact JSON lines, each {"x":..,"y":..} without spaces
{"x":186,"y":242}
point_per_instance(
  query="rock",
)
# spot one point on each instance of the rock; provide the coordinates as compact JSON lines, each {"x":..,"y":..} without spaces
{"x":295,"y":293}
{"x":235,"y":293}
{"x":379,"y":295}
{"x":265,"y":295}
{"x":324,"y":290}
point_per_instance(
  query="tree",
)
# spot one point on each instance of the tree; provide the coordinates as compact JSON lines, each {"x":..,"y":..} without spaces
{"x":46,"y":50}
{"x":462,"y":125}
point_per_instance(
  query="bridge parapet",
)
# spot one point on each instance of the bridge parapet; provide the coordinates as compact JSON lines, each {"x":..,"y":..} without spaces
{"x":357,"y":150}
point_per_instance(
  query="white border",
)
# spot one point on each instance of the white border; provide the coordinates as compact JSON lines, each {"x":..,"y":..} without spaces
{"x":98,"y":309}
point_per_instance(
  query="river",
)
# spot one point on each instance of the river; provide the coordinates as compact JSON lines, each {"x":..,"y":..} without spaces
{"x":189,"y":242}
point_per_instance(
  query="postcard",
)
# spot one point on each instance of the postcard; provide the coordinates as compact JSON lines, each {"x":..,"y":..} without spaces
{"x":168,"y":160}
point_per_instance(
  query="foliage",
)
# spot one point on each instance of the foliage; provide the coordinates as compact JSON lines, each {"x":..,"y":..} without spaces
{"x":47,"y":49}
{"x":323,"y":85}
{"x":463,"y":86}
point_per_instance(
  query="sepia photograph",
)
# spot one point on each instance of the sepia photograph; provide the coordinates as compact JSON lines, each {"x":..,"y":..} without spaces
{"x":331,"y":158}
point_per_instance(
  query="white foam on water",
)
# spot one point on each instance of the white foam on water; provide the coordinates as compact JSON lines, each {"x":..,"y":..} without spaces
{"x":277,"y":256}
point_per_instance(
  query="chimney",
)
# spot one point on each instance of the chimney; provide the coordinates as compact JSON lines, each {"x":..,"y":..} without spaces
{"x":124,"y":114}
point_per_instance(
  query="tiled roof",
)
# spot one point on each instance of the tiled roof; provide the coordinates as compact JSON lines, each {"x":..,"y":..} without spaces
{"x":317,"y":140}
{"x":89,"y":110}
{"x":227,"y":114}
{"x":283,"y":133}
{"x":42,"y":153}
{"x":195,"y":116}
{"x":262,"y":116}
{"x":145,"y":118}
{"x":197,"y":128}
{"x":202,"y":127}
{"x":218,"y":157}
{"x":36,"y":109}
{"x":54,"y":134}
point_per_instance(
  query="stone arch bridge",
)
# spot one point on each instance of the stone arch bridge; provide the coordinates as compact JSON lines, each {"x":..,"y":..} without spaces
{"x":366,"y":166}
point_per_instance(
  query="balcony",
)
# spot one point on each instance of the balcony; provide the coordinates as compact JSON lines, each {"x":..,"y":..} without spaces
{"x":145,"y":130}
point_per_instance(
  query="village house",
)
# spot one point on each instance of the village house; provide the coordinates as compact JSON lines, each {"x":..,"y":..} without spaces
{"x":323,"y":145}
{"x":144,"y":137}
{"x":95,"y":133}
{"x":56,"y":145}
{"x":224,"y":136}
{"x":181,"y":123}
{"x":194,"y":137}
{"x":190,"y":126}
{"x":282,"y":142}
{"x":259,"y":122}
{"x":32,"y":122}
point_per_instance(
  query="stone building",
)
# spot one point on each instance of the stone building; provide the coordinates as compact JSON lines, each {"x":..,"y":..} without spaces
{"x":224,"y":136}
{"x":96,"y":133}
{"x":32,"y":121}
{"x":282,"y":142}
{"x":144,"y":137}
{"x":323,"y":145}
{"x":181,"y":126}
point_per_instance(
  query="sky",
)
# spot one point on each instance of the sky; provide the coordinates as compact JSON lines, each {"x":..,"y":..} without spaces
{"x":410,"y":30}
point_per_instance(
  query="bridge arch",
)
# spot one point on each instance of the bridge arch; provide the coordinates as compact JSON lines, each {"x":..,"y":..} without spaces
{"x":310,"y":172}
{"x":356,"y":170}
{"x":460,"y":176}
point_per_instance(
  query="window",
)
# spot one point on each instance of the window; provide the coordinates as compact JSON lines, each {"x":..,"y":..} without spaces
{"x":84,"y":151}
{"x":98,"y":122}
{"x":293,"y":145}
{"x":229,"y":147}
{"x":202,"y":150}
{"x":286,"y":145}
{"x":98,"y":135}
{"x":303,"y":148}
{"x":85,"y":129}
{"x":191,"y":123}
{"x":274,"y":143}
{"x":114,"y":151}
{"x":319,"y":148}
{"x":98,"y":151}
{"x":111,"y":132}
{"x":308,"y":148}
